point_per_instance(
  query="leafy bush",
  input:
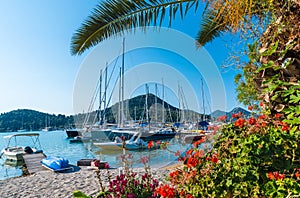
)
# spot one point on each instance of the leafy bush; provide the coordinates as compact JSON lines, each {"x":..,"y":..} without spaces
{"x":257,"y":157}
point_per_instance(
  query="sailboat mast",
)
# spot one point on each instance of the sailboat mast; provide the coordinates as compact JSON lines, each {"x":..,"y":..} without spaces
{"x":105,"y":86}
{"x":163,"y":102}
{"x":100,"y":99}
{"x":203,"y":100}
{"x":123,"y":65}
{"x":156,"y":103}
{"x":119,"y":103}
{"x":146,"y":104}
{"x":179,"y":104}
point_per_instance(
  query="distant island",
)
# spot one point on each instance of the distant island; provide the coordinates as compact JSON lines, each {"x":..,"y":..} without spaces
{"x":31,"y":120}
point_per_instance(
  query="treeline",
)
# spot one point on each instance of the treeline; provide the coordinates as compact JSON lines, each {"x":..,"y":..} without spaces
{"x":30,"y":120}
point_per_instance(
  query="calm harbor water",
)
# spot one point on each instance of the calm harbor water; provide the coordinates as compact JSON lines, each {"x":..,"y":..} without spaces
{"x":56,"y":143}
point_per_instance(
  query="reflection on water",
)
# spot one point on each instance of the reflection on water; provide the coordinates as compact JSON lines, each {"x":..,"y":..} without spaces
{"x":56,"y":143}
{"x":13,"y":163}
{"x":158,"y":157}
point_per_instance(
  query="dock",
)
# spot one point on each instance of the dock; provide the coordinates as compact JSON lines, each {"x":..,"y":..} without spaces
{"x":32,"y":162}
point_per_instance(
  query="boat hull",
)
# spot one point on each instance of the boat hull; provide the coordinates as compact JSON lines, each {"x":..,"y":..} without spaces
{"x":109,"y":145}
{"x":14,"y":153}
{"x":72,"y":133}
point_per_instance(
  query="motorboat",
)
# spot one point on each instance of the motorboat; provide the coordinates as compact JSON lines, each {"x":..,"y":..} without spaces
{"x":134,"y":143}
{"x":160,"y":134}
{"x":15,"y":152}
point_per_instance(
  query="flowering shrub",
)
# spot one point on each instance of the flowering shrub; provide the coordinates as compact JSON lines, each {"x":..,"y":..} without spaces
{"x":257,"y":157}
{"x":132,"y":185}
{"x":127,"y":184}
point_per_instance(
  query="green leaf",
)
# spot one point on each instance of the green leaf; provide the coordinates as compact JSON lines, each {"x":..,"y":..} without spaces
{"x":294,"y":99}
{"x":271,"y":51}
{"x":79,"y":194}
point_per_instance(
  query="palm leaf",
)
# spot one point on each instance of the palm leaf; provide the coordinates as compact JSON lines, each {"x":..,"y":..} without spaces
{"x":210,"y":28}
{"x":116,"y":16}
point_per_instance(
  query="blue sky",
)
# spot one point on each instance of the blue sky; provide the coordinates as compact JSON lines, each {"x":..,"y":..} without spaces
{"x":37,"y":70}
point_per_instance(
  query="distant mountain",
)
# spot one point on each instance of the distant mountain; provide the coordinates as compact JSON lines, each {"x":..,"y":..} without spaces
{"x":31,"y":120}
{"x":134,"y":109}
{"x":219,"y":113}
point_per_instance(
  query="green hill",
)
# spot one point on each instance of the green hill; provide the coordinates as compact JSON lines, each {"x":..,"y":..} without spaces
{"x":31,"y":120}
{"x":135,"y":109}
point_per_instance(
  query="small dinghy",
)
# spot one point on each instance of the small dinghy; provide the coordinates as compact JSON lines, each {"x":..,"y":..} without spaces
{"x":56,"y":164}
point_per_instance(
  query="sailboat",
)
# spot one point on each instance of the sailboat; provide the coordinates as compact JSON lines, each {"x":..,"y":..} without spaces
{"x":22,"y":129}
{"x":99,"y":131}
{"x":47,"y":125}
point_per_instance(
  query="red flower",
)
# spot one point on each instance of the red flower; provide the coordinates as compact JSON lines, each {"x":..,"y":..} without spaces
{"x":261,"y":104}
{"x":222,"y":118}
{"x":165,"y":191}
{"x":275,"y":175}
{"x":240,"y":122}
{"x":271,"y":176}
{"x":250,"y":108}
{"x":279,"y":176}
{"x":262,"y":117}
{"x":150,"y":144}
{"x":174,"y":174}
{"x":237,"y":115}
{"x":214,"y":158}
{"x":285,"y":126}
{"x":189,"y":152}
{"x":195,"y":144}
{"x":251,"y":121}
{"x":297,"y":174}
{"x":192,"y":162}
{"x":277,"y":115}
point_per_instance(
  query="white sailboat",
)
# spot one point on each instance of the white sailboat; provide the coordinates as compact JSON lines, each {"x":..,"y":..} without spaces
{"x":99,"y":131}
{"x":47,"y":125}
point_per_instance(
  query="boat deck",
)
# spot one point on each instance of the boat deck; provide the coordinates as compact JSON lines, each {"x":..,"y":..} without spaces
{"x":32,"y":162}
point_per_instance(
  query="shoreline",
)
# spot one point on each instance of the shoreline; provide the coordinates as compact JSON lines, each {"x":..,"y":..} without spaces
{"x":50,"y":184}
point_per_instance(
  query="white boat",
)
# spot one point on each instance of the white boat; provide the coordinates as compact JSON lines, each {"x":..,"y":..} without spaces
{"x":15,"y":152}
{"x":134,"y":143}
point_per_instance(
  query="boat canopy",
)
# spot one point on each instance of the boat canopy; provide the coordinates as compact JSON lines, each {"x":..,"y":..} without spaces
{"x":21,"y":134}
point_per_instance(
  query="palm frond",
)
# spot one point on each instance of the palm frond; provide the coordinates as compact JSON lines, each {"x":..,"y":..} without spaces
{"x":115,"y":16}
{"x":210,"y":28}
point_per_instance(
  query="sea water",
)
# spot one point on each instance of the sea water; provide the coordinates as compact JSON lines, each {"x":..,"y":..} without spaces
{"x":56,"y":143}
